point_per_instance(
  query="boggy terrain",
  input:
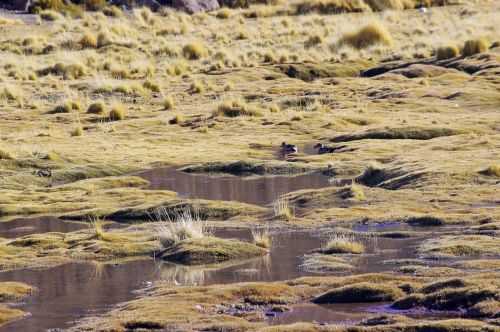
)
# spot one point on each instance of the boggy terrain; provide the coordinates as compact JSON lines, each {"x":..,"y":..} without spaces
{"x":151,"y":128}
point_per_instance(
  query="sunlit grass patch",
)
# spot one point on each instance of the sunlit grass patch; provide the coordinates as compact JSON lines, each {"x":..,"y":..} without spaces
{"x":343,"y":244}
{"x":174,"y":227}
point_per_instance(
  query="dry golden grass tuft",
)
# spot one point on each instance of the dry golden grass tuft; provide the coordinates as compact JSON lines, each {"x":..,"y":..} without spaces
{"x":447,"y":52}
{"x":369,"y":35}
{"x":194,"y":51}
{"x":236,"y":107}
{"x":475,"y":46}
{"x":343,"y":244}
{"x":168,"y":103}
{"x":118,"y":112}
{"x":88,"y":40}
{"x":96,"y":108}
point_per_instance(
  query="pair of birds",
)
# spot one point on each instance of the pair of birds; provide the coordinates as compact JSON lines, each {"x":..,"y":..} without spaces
{"x":292,"y":148}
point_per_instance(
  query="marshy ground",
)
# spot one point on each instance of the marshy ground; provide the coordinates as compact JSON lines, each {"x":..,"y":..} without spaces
{"x":142,"y":186}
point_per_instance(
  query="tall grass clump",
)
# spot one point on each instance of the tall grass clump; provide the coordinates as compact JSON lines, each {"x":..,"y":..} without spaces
{"x":180,"y":225}
{"x":96,"y":108}
{"x":343,"y":244}
{"x":447,"y":52}
{"x":117,"y":112}
{"x":475,"y":46}
{"x":168,"y":103}
{"x":369,"y":35}
{"x":261,"y":238}
{"x":194,"y":51}
{"x":493,"y":170}
{"x":282,"y":209}
{"x":236,"y":107}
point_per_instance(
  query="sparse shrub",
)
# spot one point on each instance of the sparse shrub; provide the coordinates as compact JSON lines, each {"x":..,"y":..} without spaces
{"x":261,"y":238}
{"x":96,"y":108}
{"x":367,"y":36}
{"x":475,"y":46}
{"x":343,"y":244}
{"x":447,"y":52}
{"x":117,"y":112}
{"x":168,"y":103}
{"x":194,"y":51}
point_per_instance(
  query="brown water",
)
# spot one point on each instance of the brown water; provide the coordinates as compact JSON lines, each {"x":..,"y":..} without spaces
{"x":260,"y":190}
{"x":69,"y":292}
{"x":21,"y":227}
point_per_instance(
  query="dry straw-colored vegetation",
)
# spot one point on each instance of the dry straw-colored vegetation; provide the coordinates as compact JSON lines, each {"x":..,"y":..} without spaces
{"x":91,"y":95}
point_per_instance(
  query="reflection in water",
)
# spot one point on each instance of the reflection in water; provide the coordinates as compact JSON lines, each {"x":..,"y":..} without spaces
{"x":69,"y":292}
{"x":259,"y":190}
{"x":21,"y":227}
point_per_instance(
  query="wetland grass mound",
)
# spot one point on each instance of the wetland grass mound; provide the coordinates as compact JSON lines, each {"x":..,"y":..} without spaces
{"x":209,"y":250}
{"x":359,"y":293}
{"x":248,"y":168}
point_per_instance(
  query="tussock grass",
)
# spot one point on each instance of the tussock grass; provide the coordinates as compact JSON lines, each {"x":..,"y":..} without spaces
{"x":177,"y":119}
{"x":168,"y":103}
{"x":118,"y":112}
{"x":369,"y":35}
{"x":97,"y":108}
{"x":197,"y":87}
{"x":11,"y":93}
{"x":50,"y":15}
{"x":67,"y":107}
{"x":354,"y":192}
{"x":77,"y":131}
{"x":68,"y":72}
{"x":282,"y":209}
{"x":236,"y":107}
{"x":179,"y":225}
{"x":88,"y":40}
{"x":343,"y":244}
{"x":194,"y":51}
{"x":261,"y":238}
{"x":493,"y":170}
{"x":5,"y":155}
{"x":475,"y":46}
{"x":447,"y":52}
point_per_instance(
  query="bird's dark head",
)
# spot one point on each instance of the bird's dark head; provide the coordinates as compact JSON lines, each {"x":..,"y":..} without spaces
{"x":318,"y":146}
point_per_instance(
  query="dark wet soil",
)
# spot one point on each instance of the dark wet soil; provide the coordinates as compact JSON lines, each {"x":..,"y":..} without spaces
{"x":260,"y":190}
